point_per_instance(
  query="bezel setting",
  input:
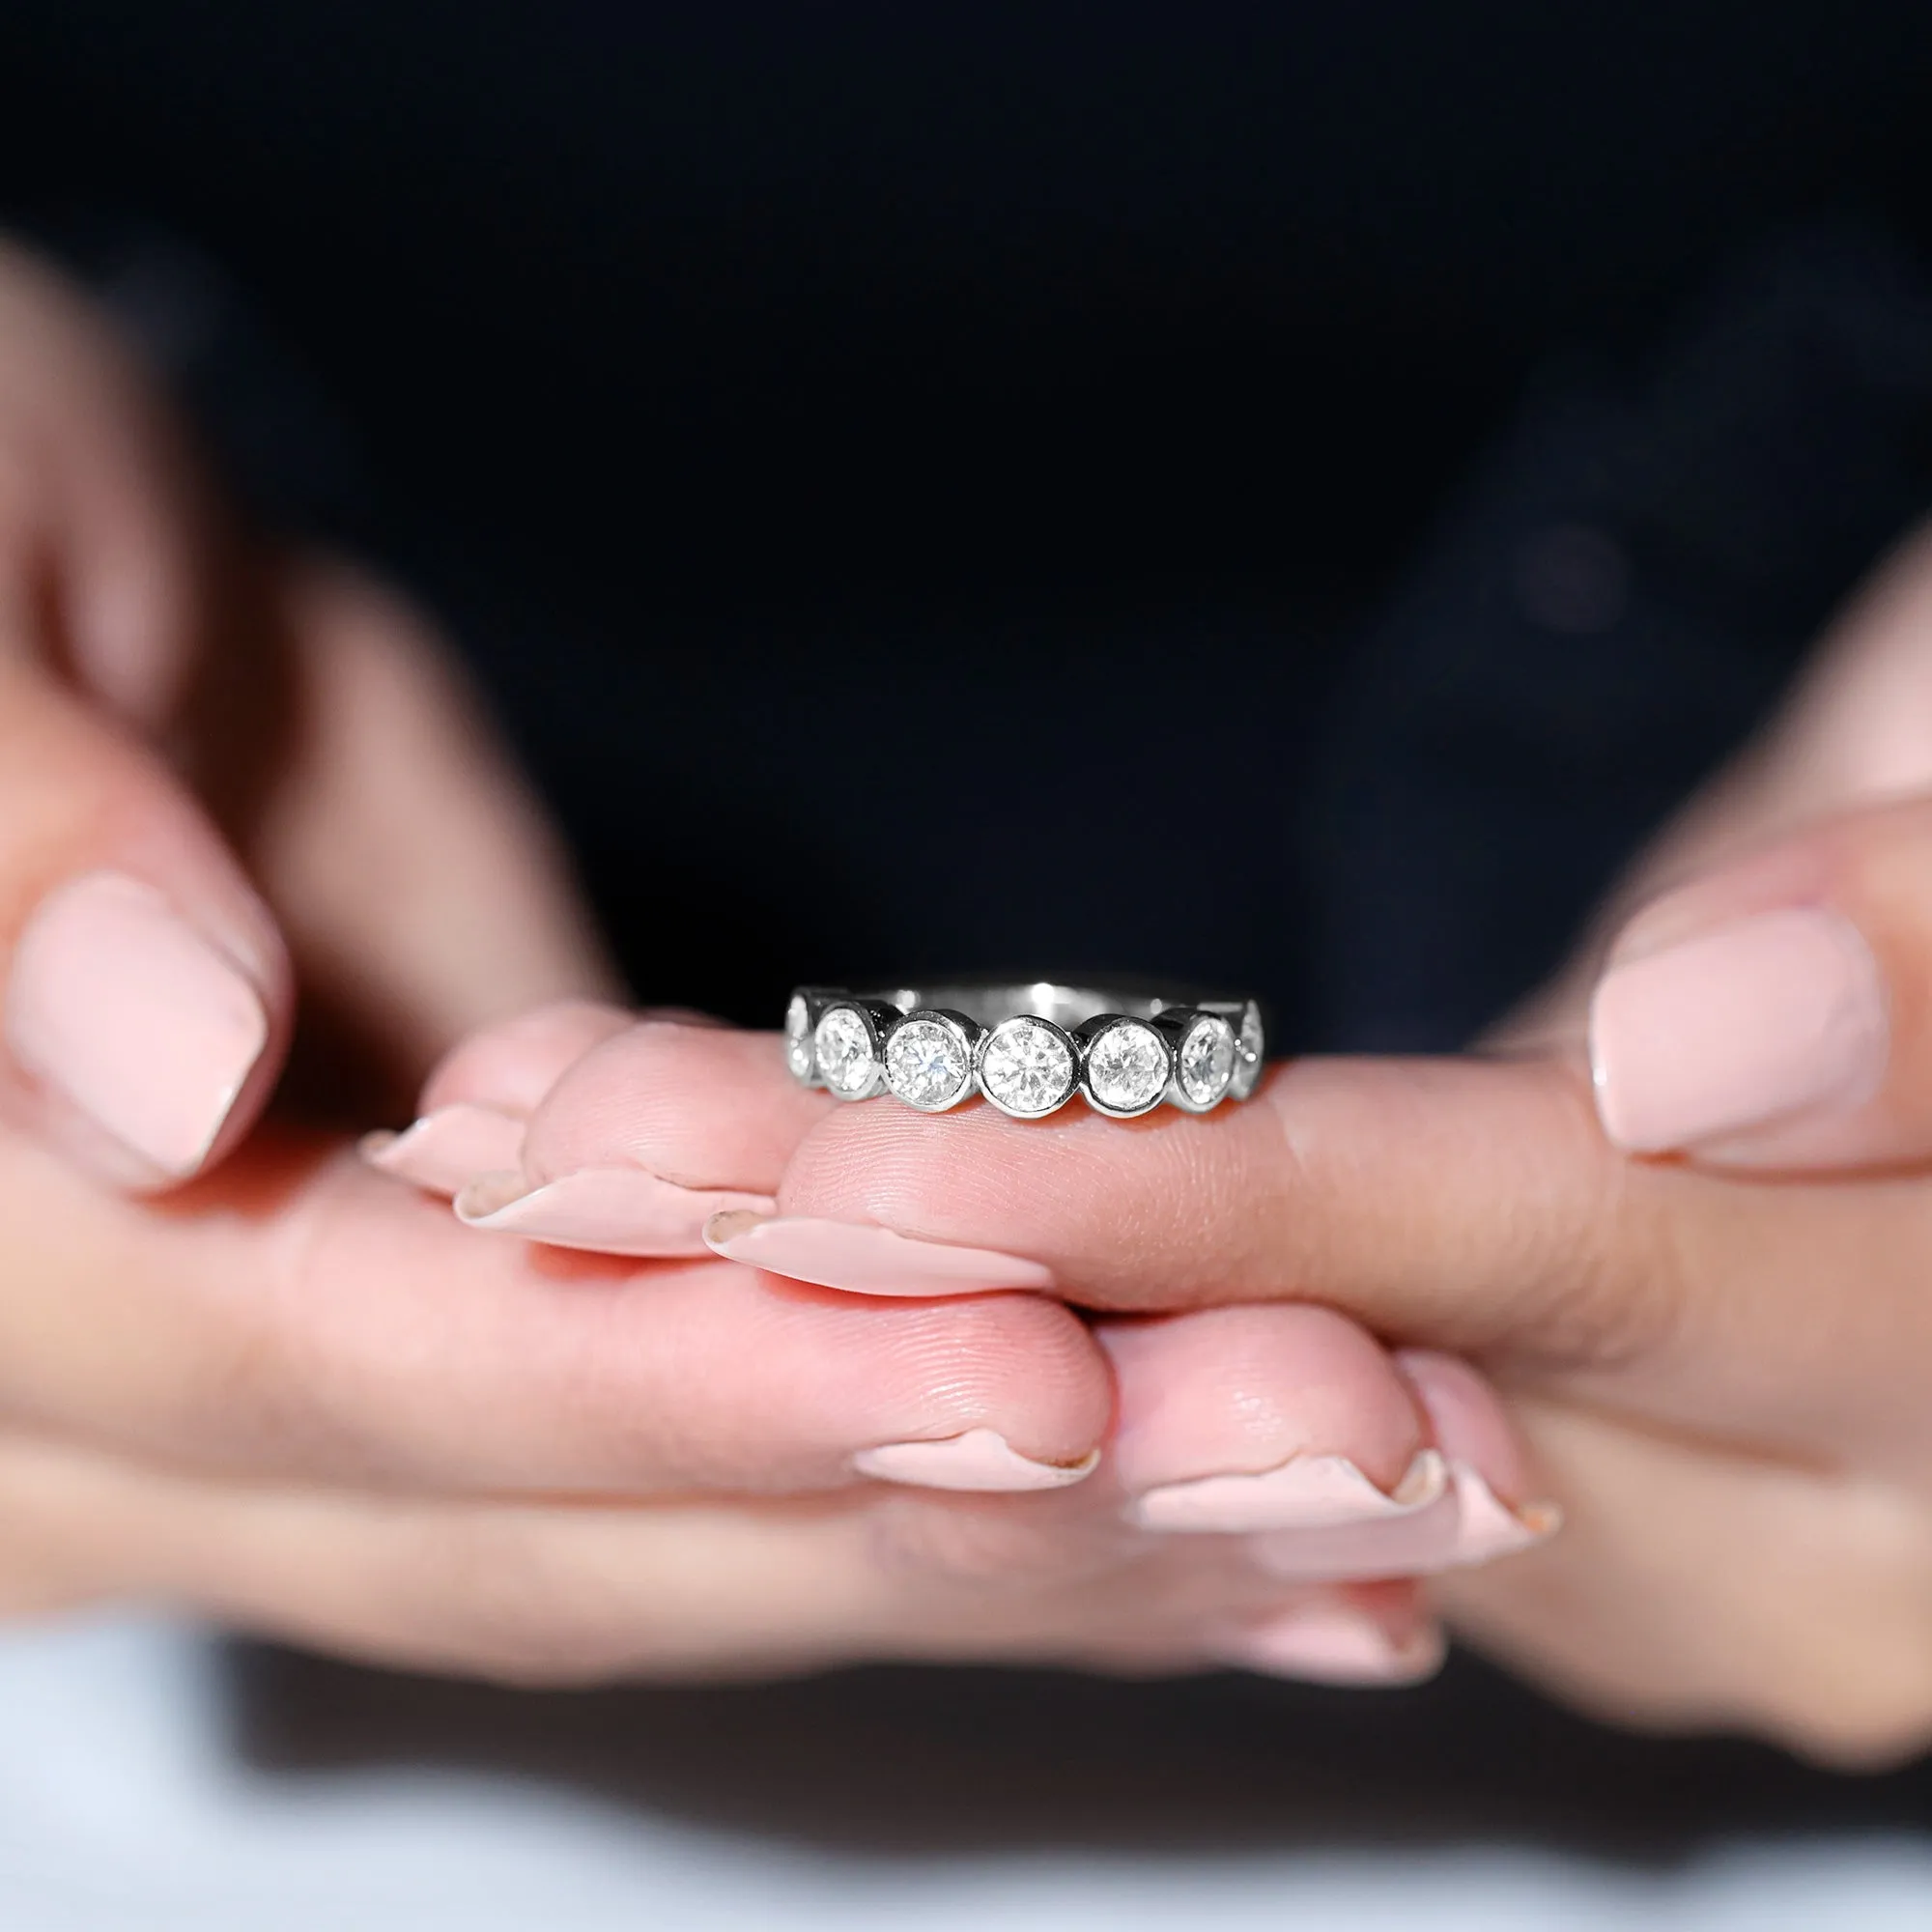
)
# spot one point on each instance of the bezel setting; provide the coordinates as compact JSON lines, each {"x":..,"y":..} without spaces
{"x":800,"y":1054}
{"x":1124,"y":1049}
{"x":843,"y":1024}
{"x":1199,"y":1032}
{"x":1249,"y":1046}
{"x":1112,"y":1084}
{"x":929,"y":1030}
{"x":1001,"y":1039}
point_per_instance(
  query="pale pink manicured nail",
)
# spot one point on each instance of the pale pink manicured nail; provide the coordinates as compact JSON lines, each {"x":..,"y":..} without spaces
{"x":981,"y":1459}
{"x":139,"y":1021}
{"x":1488,"y":1527}
{"x":1466,"y":1522}
{"x":447,"y":1150}
{"x":867,"y":1261}
{"x":1306,"y":1493}
{"x":610,"y":1210}
{"x":1780,"y":1014}
{"x":1334,"y":1644}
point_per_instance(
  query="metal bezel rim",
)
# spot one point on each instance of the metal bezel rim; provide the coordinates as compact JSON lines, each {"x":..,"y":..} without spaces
{"x":1247,"y":1075}
{"x":962,"y":1032}
{"x":876,"y":1079}
{"x":1059,"y":1033}
{"x":1171,"y":1019}
{"x":1092,"y":1032}
{"x":1191,"y":1019}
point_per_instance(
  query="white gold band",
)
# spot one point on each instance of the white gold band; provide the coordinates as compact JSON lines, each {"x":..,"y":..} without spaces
{"x":1027,"y":1047}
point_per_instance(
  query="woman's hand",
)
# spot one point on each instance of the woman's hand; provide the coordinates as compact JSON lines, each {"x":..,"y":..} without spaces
{"x":214,"y":754}
{"x":240,"y":1370}
{"x":1719,"y":1357}
{"x":1251,"y":1484}
{"x":327,"y":1410}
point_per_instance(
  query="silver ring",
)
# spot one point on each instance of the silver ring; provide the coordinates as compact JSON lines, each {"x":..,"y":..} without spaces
{"x":1028,"y":1048}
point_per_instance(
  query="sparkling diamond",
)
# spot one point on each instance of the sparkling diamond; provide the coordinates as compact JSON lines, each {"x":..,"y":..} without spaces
{"x":1126,"y":1067}
{"x":798,"y":1038}
{"x":846,"y":1062}
{"x":1206,"y":1060}
{"x":1027,"y":1066}
{"x":927,"y":1064}
{"x":1247,"y":1053}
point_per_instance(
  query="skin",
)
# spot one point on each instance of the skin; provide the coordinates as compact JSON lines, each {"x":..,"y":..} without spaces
{"x":299,"y":1395}
{"x":294,"y":1394}
{"x":1718,"y":1356}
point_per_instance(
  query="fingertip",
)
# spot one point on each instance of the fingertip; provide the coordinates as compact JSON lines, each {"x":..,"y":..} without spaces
{"x":147,"y":1045}
{"x":443,"y":1152}
{"x":511,"y":1065}
{"x":698,"y":1106}
{"x":1290,"y":1411}
{"x":1022,"y":1365}
{"x":130,"y":626}
{"x":1467,"y":1419}
{"x":1489,"y":1468}
{"x":977,"y":1460}
{"x":859,"y":1260}
{"x":609,"y":1210}
{"x":1330,"y":1637}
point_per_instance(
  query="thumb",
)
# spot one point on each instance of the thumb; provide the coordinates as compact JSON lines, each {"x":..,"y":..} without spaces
{"x":145,"y":995}
{"x":1776,"y":1012}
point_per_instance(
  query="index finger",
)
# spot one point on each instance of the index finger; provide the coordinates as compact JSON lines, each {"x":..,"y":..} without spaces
{"x":1460,"y":1203}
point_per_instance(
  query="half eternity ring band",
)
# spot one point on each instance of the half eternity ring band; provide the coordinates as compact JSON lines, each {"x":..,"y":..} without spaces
{"x":1029,"y":1048}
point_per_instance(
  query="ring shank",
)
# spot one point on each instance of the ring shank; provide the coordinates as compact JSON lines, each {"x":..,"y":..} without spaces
{"x":1067,"y":1006}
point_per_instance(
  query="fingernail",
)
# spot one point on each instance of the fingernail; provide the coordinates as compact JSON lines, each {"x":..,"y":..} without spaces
{"x":1307,"y":1492}
{"x":609,"y":1210}
{"x":981,"y":1459}
{"x":1488,"y":1527}
{"x":1777,"y":1015}
{"x":447,"y":1150}
{"x":1333,"y":1643}
{"x":867,"y":1261}
{"x":1466,"y":1522}
{"x":135,"y":1018}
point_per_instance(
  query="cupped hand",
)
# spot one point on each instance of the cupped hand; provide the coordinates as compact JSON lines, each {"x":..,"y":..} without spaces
{"x":1245,"y":1456}
{"x":240,"y":1370}
{"x":333,"y":1412}
{"x":1681,"y":1214}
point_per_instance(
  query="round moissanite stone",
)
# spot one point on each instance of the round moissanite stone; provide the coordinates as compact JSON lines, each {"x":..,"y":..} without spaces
{"x":928,"y":1062}
{"x":846,"y":1061}
{"x":1026,"y":1068}
{"x":1247,"y":1053}
{"x":1205,"y":1065}
{"x":798,"y":1038}
{"x":1126,"y":1067}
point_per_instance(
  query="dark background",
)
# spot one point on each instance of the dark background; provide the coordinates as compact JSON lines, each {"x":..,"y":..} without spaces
{"x":763,"y":393}
{"x":775,"y":311}
{"x":1285,"y":495}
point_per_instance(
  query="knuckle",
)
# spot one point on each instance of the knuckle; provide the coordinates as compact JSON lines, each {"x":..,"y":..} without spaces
{"x":1609,"y":1280}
